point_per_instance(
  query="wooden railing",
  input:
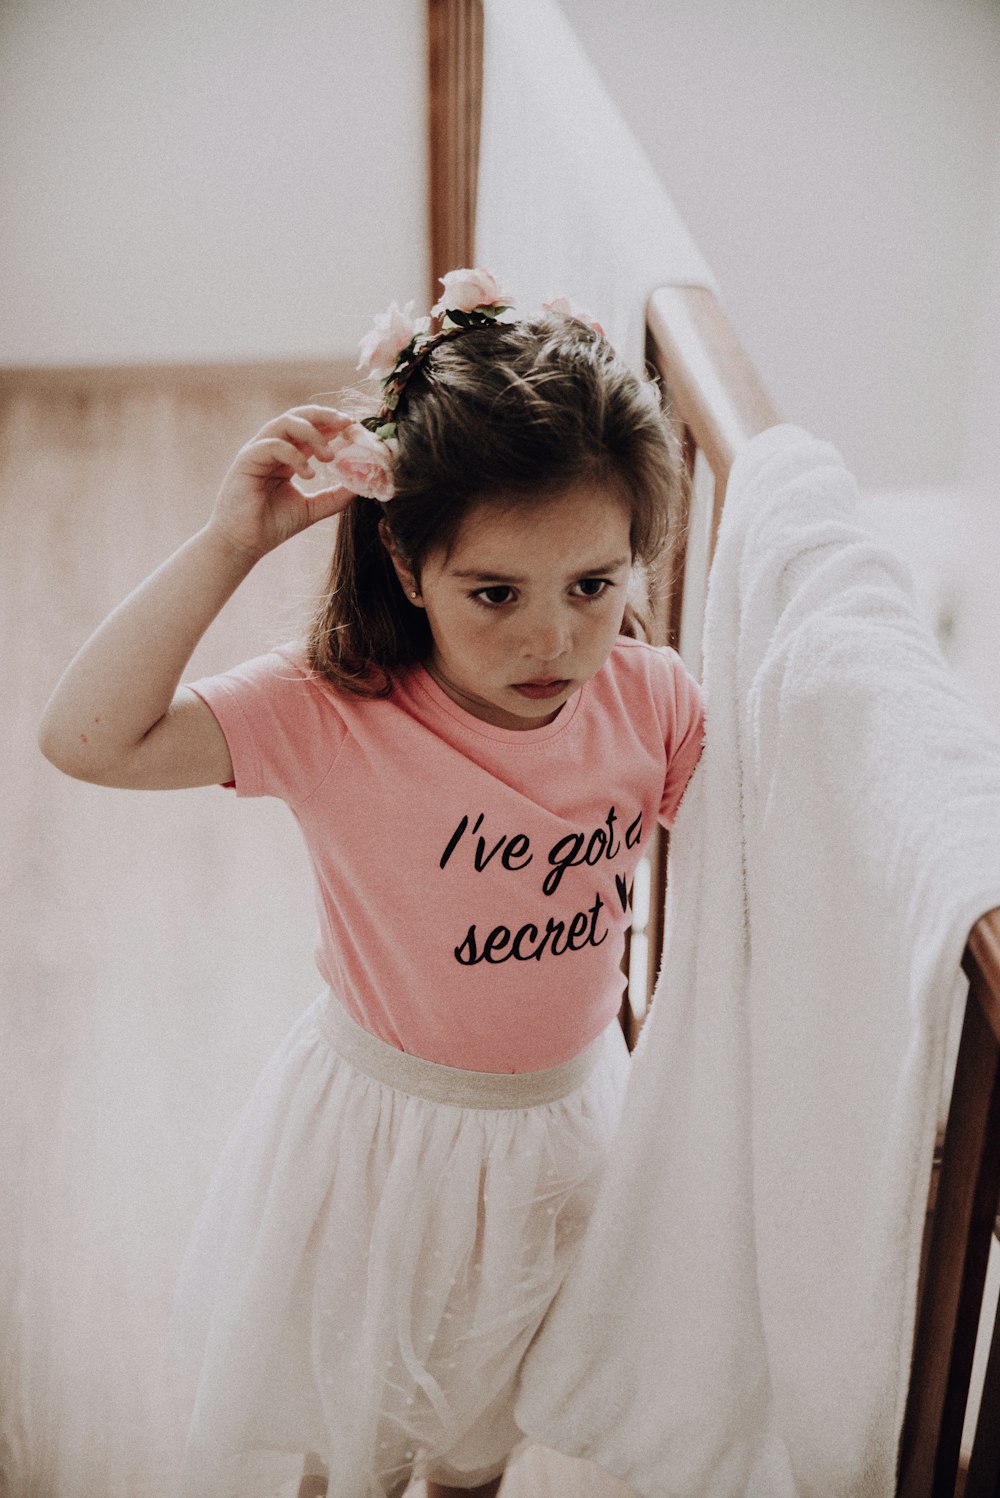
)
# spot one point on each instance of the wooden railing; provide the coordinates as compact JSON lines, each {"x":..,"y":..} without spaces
{"x":962,"y":1216}
{"x":718,"y":401}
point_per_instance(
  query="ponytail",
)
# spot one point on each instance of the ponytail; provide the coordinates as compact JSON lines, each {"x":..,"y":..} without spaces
{"x":364,"y":629}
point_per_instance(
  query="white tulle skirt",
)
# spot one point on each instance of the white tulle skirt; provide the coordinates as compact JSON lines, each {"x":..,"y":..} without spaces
{"x":381,"y":1240}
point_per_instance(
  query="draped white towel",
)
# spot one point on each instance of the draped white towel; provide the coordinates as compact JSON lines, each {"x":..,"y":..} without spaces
{"x":739,"y":1320}
{"x":568,"y":203}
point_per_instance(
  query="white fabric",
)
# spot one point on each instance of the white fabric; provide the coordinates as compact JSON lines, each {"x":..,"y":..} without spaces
{"x":370,"y":1265}
{"x":739,"y":1321}
{"x":568,"y":204}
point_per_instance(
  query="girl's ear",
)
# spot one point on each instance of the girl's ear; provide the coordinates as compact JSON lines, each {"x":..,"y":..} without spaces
{"x":407,"y":579}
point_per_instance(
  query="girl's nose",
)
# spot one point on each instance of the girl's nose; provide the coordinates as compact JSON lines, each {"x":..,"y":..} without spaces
{"x":545,"y":641}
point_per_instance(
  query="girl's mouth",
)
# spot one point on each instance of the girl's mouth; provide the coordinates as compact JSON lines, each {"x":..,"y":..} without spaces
{"x":541,"y":689}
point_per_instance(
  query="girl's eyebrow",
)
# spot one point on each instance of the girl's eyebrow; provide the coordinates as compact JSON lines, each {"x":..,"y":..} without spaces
{"x":476,"y":576}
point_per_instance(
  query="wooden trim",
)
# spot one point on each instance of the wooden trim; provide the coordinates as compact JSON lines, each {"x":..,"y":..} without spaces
{"x":711,"y":384}
{"x":983,"y":1477}
{"x":719,"y":402}
{"x":957,"y":1256}
{"x":455,"y":95}
{"x":313,"y":375}
{"x":982,"y":964}
{"x":658,"y":857}
{"x":678,"y":557}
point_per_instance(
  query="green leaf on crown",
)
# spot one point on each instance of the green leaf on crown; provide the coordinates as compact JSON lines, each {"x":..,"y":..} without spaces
{"x":479,"y":317}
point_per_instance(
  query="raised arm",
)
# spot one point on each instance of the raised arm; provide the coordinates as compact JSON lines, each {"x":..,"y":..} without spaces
{"x":117,"y":717}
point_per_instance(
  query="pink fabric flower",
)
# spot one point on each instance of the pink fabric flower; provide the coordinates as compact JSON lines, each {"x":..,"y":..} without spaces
{"x":565,"y":308}
{"x":393,"y":330}
{"x":363,"y":462}
{"x":469,"y":288}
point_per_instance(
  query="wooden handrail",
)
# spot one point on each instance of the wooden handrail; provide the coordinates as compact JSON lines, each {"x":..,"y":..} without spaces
{"x":719,"y":402}
{"x":957,"y":1253}
{"x":982,"y":965}
{"x":715,"y":391}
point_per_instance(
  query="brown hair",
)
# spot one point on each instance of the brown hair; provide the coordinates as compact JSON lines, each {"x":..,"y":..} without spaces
{"x":514,"y":413}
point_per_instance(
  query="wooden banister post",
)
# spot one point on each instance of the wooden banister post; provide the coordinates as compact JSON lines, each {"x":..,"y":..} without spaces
{"x":455,"y":77}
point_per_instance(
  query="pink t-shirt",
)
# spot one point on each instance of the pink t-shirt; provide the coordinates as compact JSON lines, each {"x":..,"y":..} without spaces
{"x":472,"y":881}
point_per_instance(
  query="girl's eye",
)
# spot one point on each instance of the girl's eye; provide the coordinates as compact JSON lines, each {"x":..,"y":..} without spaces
{"x":499,"y":594}
{"x":493,"y":597}
{"x":593,"y":587}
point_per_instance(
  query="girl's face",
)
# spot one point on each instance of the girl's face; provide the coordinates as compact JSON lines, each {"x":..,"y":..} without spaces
{"x":527,"y":605}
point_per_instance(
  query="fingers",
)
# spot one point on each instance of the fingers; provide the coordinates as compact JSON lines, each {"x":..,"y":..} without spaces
{"x":326,"y":418}
{"x":267,"y":455}
{"x":309,"y":428}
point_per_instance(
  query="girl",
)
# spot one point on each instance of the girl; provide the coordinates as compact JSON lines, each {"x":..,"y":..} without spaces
{"x":476,"y":748}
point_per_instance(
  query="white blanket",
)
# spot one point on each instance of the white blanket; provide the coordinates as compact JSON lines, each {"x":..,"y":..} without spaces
{"x":739,"y":1321}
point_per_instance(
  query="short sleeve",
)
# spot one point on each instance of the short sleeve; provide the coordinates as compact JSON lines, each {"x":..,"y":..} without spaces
{"x":685,"y":737}
{"x":281,"y":725}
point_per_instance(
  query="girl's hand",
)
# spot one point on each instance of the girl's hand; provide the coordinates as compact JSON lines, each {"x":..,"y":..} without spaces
{"x":259,"y":506}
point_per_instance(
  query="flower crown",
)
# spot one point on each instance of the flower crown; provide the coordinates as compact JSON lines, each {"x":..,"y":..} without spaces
{"x":365,"y":452}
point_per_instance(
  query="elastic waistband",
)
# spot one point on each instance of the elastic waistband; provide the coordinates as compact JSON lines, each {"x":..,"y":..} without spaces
{"x":450,"y":1084}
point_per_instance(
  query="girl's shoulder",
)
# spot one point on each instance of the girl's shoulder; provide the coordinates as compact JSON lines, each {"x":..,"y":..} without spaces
{"x":642,"y":662}
{"x":654,"y":679}
{"x":284,"y":672}
{"x":284,"y":722}
{"x":657,"y":691}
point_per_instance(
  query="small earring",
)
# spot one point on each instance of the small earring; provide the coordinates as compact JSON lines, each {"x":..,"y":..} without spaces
{"x":413,"y":592}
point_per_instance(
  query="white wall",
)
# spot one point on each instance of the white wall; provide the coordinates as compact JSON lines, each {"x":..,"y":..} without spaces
{"x":981,"y":450}
{"x":208,"y":179}
{"x":980,"y":622}
{"x":835,"y":164}
{"x":238,"y":178}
